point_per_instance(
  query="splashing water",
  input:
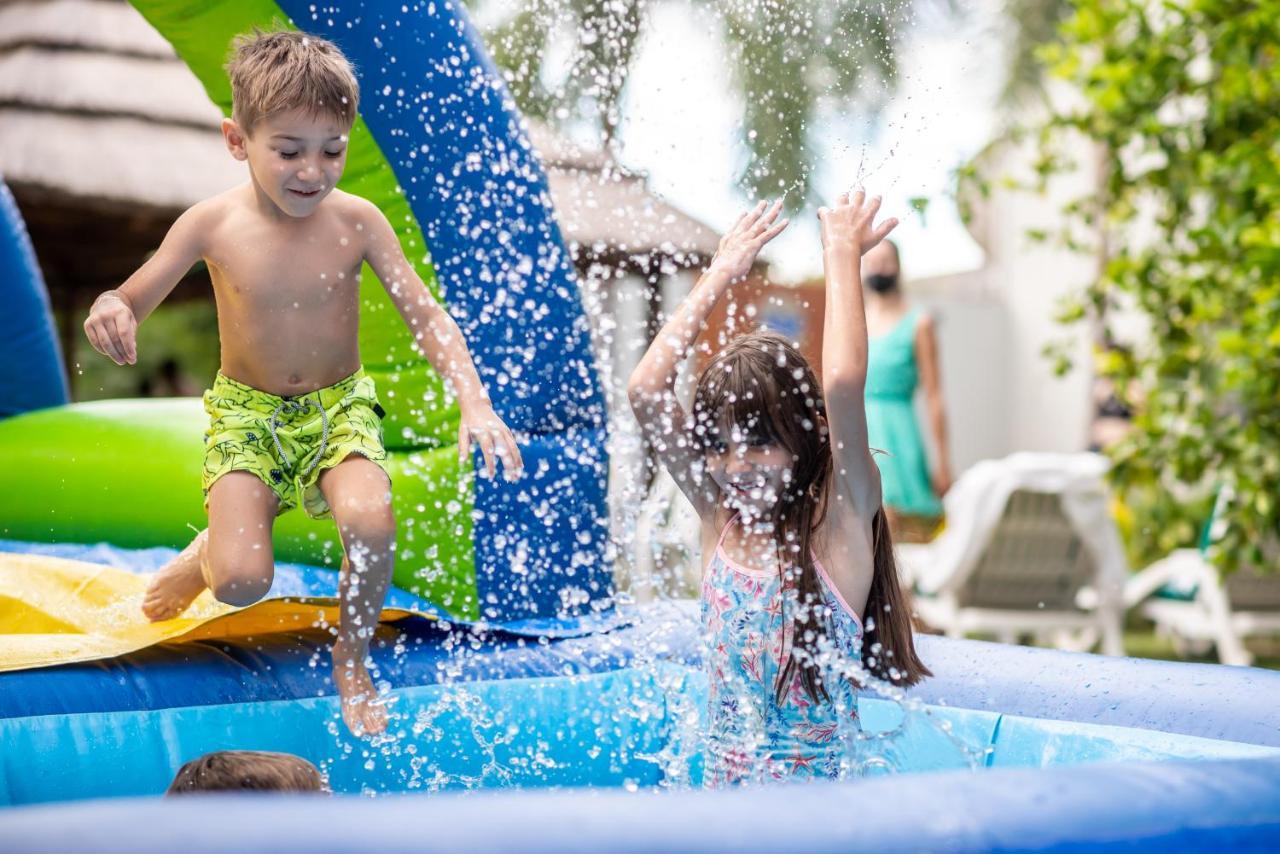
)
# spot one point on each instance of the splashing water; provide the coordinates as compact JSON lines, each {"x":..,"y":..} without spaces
{"x":460,"y":733}
{"x":641,"y":726}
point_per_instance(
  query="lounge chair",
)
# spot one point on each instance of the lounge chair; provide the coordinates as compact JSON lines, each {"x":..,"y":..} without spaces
{"x":1029,"y":548}
{"x":1190,"y":603}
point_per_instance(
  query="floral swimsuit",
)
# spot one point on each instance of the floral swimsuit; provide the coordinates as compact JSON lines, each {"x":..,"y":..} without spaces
{"x":751,"y":736}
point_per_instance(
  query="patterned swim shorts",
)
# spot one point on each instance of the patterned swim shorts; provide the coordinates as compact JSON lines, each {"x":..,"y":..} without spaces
{"x":288,"y":441}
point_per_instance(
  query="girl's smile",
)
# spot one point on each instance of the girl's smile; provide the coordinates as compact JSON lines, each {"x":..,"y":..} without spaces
{"x":751,"y":471}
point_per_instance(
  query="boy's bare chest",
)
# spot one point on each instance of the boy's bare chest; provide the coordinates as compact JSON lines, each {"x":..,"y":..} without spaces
{"x":265,"y":272}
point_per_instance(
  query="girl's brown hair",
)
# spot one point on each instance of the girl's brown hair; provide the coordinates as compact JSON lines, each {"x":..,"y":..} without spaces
{"x":762,"y":384}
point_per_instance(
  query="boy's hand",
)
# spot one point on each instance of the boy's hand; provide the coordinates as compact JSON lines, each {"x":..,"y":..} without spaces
{"x":850,"y":225}
{"x":739,"y":248}
{"x":480,"y":424}
{"x":112,"y":328}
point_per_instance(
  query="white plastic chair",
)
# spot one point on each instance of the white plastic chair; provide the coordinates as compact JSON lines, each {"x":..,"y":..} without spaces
{"x":1191,"y":604}
{"x":1029,"y":548}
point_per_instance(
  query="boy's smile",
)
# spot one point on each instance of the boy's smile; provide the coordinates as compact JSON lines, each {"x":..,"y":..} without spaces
{"x":295,"y":158}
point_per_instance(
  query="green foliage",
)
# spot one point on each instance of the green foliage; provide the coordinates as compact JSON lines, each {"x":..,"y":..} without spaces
{"x":184,"y":332}
{"x":1033,"y":24}
{"x":919,"y":204}
{"x":1181,"y":100}
{"x":606,"y":33}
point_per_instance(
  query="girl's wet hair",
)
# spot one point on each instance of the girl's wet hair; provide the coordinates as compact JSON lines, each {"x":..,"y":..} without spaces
{"x":762,"y":386}
{"x":737,"y":391}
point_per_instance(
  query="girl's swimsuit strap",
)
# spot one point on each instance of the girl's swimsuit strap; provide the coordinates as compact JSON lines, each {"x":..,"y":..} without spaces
{"x":827,"y":580}
{"x":725,"y":530}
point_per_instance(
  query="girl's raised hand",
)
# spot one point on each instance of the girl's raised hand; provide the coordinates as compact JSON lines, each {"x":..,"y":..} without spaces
{"x":739,"y":248}
{"x":850,"y":224}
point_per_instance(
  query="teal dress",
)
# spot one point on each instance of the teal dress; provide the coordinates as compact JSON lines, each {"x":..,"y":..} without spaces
{"x":892,"y":377}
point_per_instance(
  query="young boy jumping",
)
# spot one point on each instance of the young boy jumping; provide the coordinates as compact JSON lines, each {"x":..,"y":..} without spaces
{"x":293,"y":417}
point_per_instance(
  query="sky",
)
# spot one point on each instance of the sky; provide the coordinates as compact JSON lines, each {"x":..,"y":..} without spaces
{"x":681,"y":127}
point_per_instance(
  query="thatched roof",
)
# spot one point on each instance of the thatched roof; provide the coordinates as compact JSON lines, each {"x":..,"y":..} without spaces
{"x":608,"y":211}
{"x":95,"y":105}
{"x":105,"y":136}
{"x":98,"y":116}
{"x":110,"y":27}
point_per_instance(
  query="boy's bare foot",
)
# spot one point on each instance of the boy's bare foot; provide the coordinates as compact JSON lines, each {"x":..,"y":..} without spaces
{"x":362,"y":711}
{"x":177,"y":585}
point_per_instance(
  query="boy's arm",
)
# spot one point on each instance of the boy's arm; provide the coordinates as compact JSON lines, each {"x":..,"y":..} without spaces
{"x":651,"y":388}
{"x":441,"y":341}
{"x":847,"y":233}
{"x":112,"y":325}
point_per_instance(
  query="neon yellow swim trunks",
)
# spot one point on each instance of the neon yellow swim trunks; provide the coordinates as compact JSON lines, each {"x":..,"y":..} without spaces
{"x":288,"y":441}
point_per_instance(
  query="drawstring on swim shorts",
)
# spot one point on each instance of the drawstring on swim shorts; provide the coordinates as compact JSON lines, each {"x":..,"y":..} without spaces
{"x":290,"y":405}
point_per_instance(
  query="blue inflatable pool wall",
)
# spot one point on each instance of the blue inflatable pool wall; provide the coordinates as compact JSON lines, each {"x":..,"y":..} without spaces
{"x":1007,"y":744}
{"x":1032,"y":749}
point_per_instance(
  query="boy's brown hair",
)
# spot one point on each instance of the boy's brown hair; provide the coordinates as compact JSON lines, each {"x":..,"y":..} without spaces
{"x":247,"y":770}
{"x":280,"y":70}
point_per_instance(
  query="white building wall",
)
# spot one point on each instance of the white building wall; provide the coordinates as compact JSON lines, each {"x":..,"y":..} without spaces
{"x":994,"y":323}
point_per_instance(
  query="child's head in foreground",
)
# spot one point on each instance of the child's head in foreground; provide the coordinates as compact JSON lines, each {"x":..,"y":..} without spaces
{"x":293,"y":102}
{"x":247,"y":771}
{"x":759,"y":413}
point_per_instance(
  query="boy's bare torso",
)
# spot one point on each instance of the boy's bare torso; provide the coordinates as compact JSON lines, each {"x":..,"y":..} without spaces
{"x":287,"y":291}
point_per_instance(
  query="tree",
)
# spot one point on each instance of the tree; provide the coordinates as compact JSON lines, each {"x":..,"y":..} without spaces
{"x":1181,"y":100}
{"x":1032,"y":24}
{"x":788,"y":57}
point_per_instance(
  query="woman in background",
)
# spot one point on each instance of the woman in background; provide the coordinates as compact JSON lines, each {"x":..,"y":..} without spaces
{"x":903,"y":355}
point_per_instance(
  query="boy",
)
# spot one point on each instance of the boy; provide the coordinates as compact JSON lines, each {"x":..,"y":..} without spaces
{"x":294,"y":419}
{"x":247,"y":771}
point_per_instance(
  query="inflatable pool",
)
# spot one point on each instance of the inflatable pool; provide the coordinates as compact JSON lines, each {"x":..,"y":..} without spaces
{"x":533,"y":713}
{"x":1007,"y":749}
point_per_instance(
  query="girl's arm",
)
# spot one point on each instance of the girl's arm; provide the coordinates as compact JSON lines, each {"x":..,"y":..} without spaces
{"x":651,"y":388}
{"x":112,"y":324}
{"x":441,"y":341}
{"x":930,"y":378}
{"x":847,"y":233}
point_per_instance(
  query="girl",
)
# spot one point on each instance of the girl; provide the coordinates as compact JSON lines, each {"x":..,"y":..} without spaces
{"x":796,"y":549}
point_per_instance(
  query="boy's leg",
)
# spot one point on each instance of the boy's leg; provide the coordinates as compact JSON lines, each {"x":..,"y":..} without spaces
{"x":239,"y":563}
{"x":359,"y":494}
{"x":232,"y":556}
